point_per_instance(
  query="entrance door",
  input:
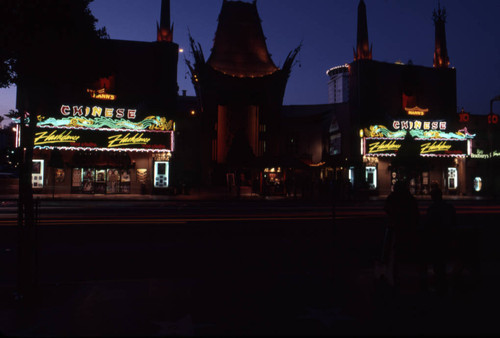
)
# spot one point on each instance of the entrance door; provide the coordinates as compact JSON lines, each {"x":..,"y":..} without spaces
{"x":37,"y":174}
{"x":161,"y":174}
{"x":88,"y":180}
{"x":452,"y":178}
{"x":371,"y":177}
{"x":113,"y":181}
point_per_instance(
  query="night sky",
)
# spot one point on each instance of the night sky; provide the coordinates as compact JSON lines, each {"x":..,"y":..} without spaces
{"x":400,"y":30}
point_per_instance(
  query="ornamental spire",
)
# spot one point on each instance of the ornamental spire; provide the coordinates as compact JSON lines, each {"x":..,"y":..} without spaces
{"x":165,"y":32}
{"x":363,"y":49}
{"x":441,"y":59}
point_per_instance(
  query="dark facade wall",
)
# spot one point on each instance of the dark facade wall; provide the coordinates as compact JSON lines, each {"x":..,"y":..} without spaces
{"x":309,"y":126}
{"x":145,"y":77}
{"x":142,"y":75}
{"x":145,"y":72}
{"x":235,"y":95}
{"x":377,"y":88}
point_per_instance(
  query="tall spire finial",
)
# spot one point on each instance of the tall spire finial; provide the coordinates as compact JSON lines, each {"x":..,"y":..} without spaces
{"x":165,"y":32}
{"x":441,"y":59}
{"x":363,"y":49}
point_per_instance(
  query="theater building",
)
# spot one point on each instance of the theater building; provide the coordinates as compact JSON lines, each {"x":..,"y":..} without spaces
{"x":241,"y":93}
{"x":484,"y":161}
{"x":117,"y":135}
{"x":402,"y":122}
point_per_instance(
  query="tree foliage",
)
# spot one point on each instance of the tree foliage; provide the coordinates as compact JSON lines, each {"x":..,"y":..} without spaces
{"x":43,"y":40}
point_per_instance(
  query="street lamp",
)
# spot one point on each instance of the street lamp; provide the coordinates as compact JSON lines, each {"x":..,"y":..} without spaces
{"x":496,"y":98}
{"x":492,"y":119}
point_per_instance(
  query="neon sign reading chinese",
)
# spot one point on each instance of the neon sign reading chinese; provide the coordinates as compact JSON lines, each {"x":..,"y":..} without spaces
{"x":97,"y":111}
{"x":419,"y":125}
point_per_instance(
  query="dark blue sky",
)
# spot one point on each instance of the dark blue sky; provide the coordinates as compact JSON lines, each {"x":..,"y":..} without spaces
{"x":400,"y":30}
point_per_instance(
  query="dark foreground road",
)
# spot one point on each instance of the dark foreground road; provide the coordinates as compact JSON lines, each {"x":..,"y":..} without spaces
{"x":232,"y":269}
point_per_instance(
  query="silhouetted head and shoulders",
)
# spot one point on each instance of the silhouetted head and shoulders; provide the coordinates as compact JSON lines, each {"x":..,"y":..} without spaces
{"x":401,"y":206}
{"x":400,"y":194}
{"x":440,"y":213}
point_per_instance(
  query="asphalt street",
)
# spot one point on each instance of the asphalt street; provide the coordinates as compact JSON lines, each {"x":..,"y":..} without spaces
{"x":154,"y":268}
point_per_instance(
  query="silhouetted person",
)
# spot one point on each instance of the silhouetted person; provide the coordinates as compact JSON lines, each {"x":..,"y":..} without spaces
{"x":437,"y":234}
{"x":288,"y":185}
{"x":238,"y":182}
{"x":256,"y":185}
{"x":402,"y":209}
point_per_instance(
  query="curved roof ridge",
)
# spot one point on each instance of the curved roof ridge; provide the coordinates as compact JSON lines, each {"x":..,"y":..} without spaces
{"x":240,"y":45}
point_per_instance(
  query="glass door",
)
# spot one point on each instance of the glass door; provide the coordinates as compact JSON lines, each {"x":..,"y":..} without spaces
{"x":371,"y":177}
{"x":452,"y":178}
{"x":161,"y":174}
{"x":88,"y":180}
{"x":37,"y":174}
{"x":113,"y":181}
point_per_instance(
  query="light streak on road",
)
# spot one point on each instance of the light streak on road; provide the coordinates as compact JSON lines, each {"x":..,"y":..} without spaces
{"x":325,"y":214}
{"x":161,"y":220}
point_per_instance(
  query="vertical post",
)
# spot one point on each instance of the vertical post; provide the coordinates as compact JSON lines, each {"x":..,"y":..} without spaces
{"x":26,"y":276}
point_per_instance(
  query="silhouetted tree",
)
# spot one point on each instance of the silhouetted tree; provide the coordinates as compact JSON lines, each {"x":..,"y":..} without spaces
{"x":408,"y":162}
{"x":42,"y":44}
{"x":240,"y":154}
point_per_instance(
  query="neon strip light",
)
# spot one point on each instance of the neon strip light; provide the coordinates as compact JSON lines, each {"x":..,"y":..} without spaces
{"x":106,"y":129}
{"x":105,"y":149}
{"x":18,"y":136}
{"x":156,"y":123}
{"x":385,"y":138}
{"x":441,"y":139}
{"x":381,"y":155}
{"x":381,"y":131}
{"x":422,"y":155}
{"x":444,"y":155}
{"x":172,"y":143}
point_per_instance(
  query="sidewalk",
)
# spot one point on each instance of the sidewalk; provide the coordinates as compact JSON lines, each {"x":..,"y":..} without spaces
{"x":353,"y":305}
{"x":347,"y":300}
{"x":215,"y":193}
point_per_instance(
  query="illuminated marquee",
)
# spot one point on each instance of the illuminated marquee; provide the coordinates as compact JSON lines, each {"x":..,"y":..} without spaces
{"x":106,"y":123}
{"x":428,"y":148}
{"x":97,"y":111}
{"x":416,"y":111}
{"x":55,"y":137}
{"x":481,"y":154}
{"x":82,"y":139}
{"x":383,"y":146}
{"x":419,"y":125}
{"x":430,"y":132}
{"x":435,"y":147}
{"x":121,"y":140}
{"x":101,"y":94}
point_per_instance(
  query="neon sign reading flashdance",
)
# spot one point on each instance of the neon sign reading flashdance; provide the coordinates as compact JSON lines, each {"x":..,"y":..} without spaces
{"x":383,"y":146}
{"x":45,"y":137}
{"x":121,"y":140}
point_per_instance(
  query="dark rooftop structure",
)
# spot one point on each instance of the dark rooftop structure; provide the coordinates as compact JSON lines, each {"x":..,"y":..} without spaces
{"x":240,"y":45}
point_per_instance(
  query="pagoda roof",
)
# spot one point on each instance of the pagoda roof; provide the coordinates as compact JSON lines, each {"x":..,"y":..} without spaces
{"x":240,"y":45}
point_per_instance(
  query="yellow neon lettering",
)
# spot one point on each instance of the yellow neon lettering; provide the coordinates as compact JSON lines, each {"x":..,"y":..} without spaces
{"x":120,"y":140}
{"x":44,"y":137}
{"x":96,"y":111}
{"x":384,"y":146}
{"x":432,"y":147}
